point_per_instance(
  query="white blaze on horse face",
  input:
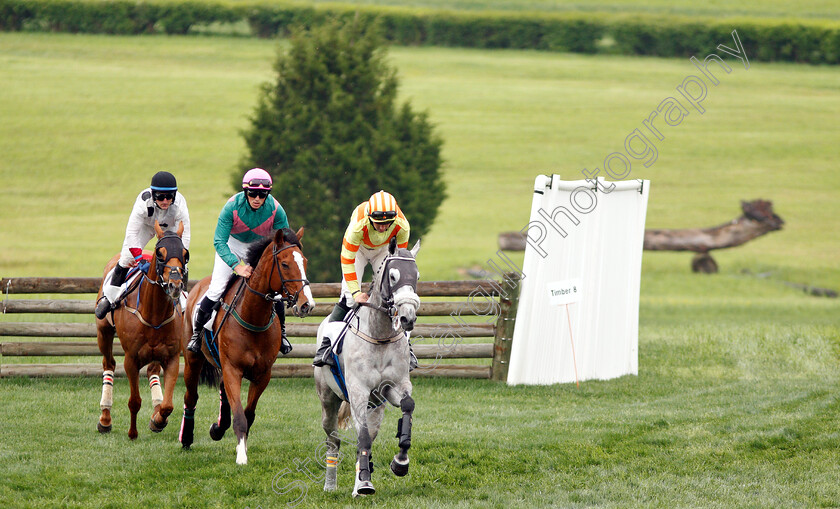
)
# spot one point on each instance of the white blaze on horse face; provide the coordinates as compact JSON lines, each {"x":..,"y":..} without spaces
{"x":306,"y":290}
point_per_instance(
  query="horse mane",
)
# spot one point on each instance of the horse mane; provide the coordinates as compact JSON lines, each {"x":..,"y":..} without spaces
{"x":255,"y":251}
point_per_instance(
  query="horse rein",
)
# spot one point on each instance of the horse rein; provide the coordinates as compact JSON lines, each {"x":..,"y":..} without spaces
{"x":389,"y":309}
{"x":272,"y":294}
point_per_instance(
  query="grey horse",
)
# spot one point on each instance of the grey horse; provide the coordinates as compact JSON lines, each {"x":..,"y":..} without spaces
{"x":374,"y":363}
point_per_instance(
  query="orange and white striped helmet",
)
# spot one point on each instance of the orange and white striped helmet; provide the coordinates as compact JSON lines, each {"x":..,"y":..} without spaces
{"x":382,"y":207}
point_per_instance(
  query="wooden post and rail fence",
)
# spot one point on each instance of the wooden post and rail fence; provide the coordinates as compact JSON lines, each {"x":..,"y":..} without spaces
{"x":474,"y":310}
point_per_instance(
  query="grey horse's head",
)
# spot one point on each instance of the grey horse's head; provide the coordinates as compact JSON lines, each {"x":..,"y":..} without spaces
{"x":398,"y":285}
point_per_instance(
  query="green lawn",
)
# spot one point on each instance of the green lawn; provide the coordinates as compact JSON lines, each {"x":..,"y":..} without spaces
{"x":734,"y":406}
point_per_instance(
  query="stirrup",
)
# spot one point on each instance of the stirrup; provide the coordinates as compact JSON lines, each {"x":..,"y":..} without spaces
{"x":103,"y":307}
{"x":412,"y":361}
{"x":323,"y":359}
{"x":285,"y":346}
{"x":194,"y":345}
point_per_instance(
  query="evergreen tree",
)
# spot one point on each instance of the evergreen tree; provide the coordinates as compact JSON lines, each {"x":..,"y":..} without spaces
{"x":331,"y":134}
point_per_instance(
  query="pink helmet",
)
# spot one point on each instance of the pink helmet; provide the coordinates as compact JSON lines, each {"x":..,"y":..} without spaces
{"x":256,"y":178}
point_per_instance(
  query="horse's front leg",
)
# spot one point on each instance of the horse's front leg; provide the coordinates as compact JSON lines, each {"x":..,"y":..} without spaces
{"x":161,"y":417}
{"x":192,"y":369}
{"x":218,"y":428}
{"x":402,"y":398}
{"x":254,"y":392}
{"x":105,"y":339}
{"x":358,"y":407}
{"x":134,"y":401}
{"x":233,"y":386}
{"x":153,"y":371}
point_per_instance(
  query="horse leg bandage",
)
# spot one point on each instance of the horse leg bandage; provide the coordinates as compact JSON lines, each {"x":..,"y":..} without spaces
{"x":157,"y":393}
{"x":404,"y":431}
{"x":107,"y":400}
{"x":404,"y":424}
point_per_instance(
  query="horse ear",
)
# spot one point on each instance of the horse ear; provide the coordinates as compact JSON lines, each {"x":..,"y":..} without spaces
{"x":180,"y":228}
{"x":158,"y":229}
{"x":415,"y":249}
{"x":392,"y":246}
{"x":278,"y":237}
{"x":300,"y":233}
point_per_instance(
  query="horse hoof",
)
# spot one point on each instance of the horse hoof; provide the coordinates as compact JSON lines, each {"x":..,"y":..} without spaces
{"x":399,"y":469}
{"x":103,"y":429}
{"x":154,"y":427}
{"x":364,"y":488}
{"x":216,"y":432}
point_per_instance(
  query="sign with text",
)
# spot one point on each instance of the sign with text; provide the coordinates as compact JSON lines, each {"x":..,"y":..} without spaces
{"x":564,"y":292}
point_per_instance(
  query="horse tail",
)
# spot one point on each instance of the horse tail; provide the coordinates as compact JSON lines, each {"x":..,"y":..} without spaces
{"x":344,"y":419}
{"x":209,"y":375}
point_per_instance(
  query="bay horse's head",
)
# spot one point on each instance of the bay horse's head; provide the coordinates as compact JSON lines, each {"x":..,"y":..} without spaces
{"x":171,"y":258}
{"x":288,"y":272}
{"x":398,"y":285}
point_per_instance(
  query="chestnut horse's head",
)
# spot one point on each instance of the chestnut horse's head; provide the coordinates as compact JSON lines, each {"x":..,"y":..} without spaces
{"x":171,"y":258}
{"x":288,"y":273}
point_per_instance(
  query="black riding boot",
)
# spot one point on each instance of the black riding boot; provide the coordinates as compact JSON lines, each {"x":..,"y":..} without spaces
{"x":323,"y":356}
{"x":110,"y":296}
{"x":285,"y":346}
{"x":205,"y":309}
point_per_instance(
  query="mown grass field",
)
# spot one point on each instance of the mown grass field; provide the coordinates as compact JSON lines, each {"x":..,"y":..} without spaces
{"x":735,"y":402}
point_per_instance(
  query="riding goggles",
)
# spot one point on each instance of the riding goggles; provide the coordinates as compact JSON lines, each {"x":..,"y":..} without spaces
{"x":257,"y":183}
{"x":257,"y":193}
{"x":380,"y":216}
{"x":160,"y":196}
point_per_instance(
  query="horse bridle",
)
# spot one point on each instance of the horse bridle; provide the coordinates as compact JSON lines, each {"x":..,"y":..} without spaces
{"x":386,"y":292}
{"x":177,"y":275}
{"x":272,"y":294}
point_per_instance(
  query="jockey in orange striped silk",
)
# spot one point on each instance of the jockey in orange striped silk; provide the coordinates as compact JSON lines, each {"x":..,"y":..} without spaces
{"x":372,"y":226}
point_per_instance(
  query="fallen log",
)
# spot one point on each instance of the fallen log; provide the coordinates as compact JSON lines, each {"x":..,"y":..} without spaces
{"x":757,"y":219}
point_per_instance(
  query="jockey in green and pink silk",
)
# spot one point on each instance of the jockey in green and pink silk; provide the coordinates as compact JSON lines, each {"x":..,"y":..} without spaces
{"x":247,"y":217}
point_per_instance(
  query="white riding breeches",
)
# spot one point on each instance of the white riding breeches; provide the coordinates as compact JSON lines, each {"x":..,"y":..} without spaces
{"x":222,"y":271}
{"x":364,"y":256}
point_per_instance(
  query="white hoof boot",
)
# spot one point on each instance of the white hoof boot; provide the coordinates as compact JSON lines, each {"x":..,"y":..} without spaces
{"x":241,"y":453}
{"x":362,"y":487}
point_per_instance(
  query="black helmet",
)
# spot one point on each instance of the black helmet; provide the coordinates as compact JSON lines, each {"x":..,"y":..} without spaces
{"x":164,"y":181}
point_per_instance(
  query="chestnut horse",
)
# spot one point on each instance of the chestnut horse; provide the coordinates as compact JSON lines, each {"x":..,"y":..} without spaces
{"x":247,"y":336}
{"x":149,"y":325}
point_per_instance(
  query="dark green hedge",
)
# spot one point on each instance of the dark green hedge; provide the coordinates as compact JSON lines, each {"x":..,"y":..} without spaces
{"x":765,"y":40}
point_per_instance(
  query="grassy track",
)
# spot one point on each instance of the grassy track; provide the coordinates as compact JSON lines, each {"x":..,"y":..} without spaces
{"x":735,"y":402}
{"x":724,"y":413}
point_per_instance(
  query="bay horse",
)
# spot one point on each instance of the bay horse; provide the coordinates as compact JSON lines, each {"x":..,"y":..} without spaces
{"x":374,"y":365}
{"x":248,"y":336}
{"x":149,"y":332}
